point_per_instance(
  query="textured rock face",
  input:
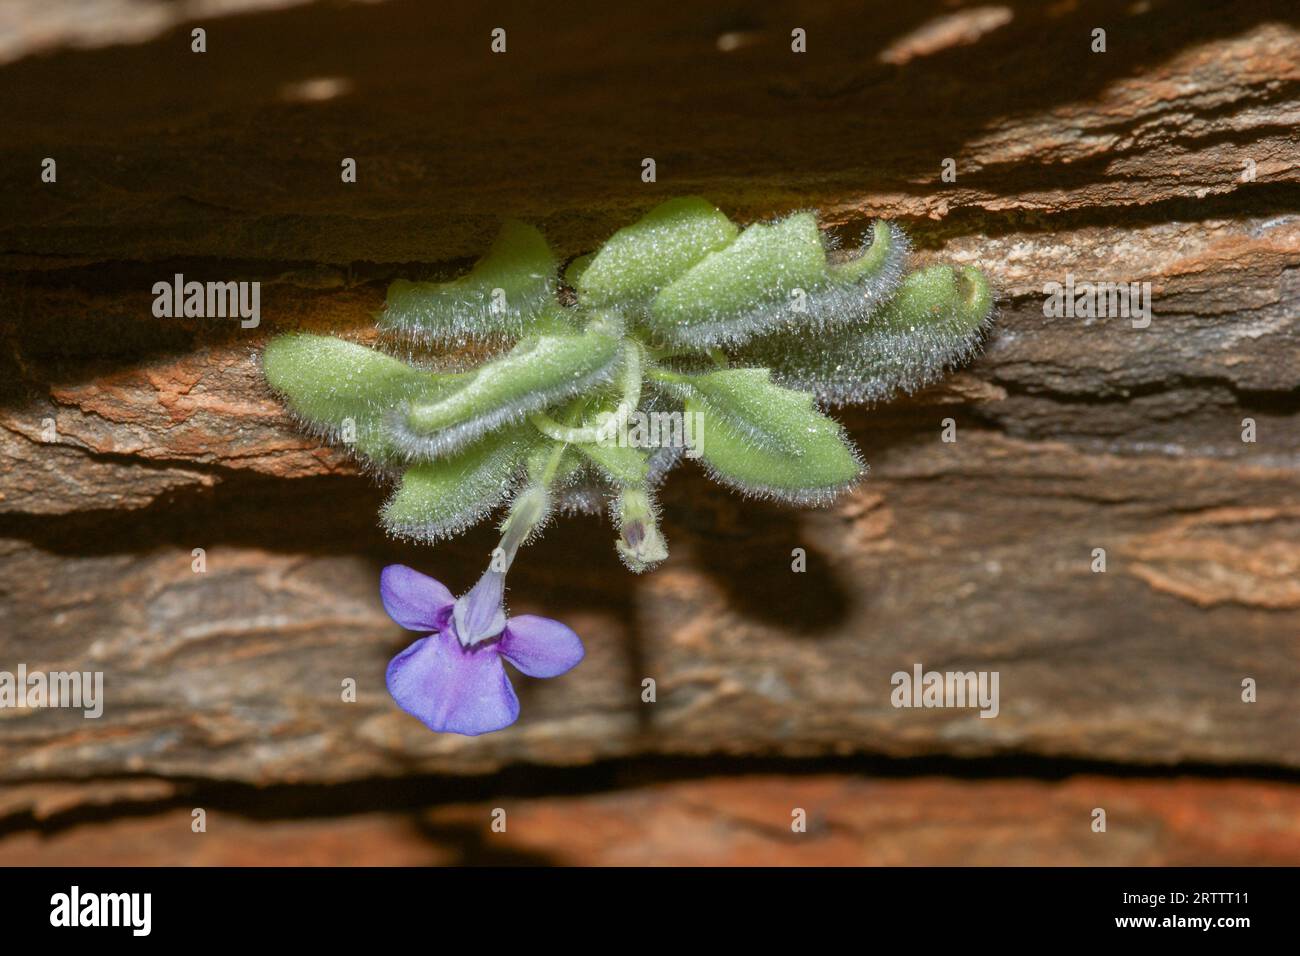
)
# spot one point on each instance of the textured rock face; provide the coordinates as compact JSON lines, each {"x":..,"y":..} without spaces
{"x":739,"y":821}
{"x":128,"y":441}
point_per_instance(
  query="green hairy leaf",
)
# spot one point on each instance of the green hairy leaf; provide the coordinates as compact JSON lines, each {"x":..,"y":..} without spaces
{"x":540,"y":371}
{"x":765,"y":440}
{"x":332,"y":385}
{"x":503,"y":297}
{"x":776,"y":275}
{"x":717,"y":298}
{"x":640,"y":259}
{"x":618,"y":464}
{"x":440,"y":499}
{"x":935,"y":321}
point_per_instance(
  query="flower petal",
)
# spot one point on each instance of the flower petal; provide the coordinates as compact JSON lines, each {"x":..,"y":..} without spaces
{"x":451,"y":689}
{"x":414,"y":600}
{"x":539,"y":646}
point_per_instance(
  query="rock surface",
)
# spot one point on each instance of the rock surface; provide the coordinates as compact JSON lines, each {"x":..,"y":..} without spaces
{"x":736,"y":821}
{"x":127,"y":441}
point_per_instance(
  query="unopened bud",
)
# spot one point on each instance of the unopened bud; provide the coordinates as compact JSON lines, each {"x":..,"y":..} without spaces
{"x":640,"y":544}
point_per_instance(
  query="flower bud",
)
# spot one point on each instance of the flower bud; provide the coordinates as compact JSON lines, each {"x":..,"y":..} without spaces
{"x":640,"y":544}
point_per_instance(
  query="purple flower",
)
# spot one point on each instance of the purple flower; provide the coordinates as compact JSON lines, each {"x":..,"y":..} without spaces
{"x":453,"y":679}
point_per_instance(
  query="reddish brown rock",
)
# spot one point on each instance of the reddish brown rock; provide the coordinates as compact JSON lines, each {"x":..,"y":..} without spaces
{"x":747,"y":821}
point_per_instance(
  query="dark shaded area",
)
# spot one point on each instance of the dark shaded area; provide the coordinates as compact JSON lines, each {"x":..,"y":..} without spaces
{"x":747,"y":550}
{"x":570,"y":110}
{"x":415,"y":793}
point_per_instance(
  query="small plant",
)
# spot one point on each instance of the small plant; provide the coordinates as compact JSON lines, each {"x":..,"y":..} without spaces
{"x":683,"y":336}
